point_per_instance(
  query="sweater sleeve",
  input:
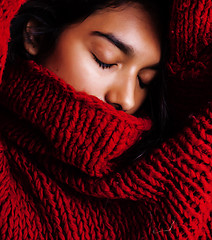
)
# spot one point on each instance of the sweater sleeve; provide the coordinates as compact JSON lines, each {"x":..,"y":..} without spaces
{"x":190,"y":57}
{"x":176,"y":179}
{"x":181,"y":167}
{"x":8,"y":9}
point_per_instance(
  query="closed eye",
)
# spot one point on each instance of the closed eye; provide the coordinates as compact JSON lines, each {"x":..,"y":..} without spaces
{"x":102,"y":64}
{"x":141,"y":83}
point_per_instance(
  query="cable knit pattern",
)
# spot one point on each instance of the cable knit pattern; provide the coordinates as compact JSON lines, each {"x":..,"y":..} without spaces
{"x":59,"y":173}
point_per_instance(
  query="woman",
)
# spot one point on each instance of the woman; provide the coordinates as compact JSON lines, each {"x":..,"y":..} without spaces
{"x":59,"y":147}
{"x":88,"y":43}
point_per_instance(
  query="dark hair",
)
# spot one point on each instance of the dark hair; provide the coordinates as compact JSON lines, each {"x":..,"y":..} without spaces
{"x":53,"y":16}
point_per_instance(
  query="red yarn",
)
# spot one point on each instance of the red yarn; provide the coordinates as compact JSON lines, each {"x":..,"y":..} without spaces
{"x":190,"y":60}
{"x":58,"y":173}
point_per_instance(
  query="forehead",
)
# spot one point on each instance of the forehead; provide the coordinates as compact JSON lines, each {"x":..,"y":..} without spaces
{"x":132,"y":24}
{"x":128,"y":17}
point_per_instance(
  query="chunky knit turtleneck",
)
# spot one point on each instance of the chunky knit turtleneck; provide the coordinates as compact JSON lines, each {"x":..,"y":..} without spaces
{"x":74,"y":127}
{"x":60,"y":177}
{"x":59,"y":173}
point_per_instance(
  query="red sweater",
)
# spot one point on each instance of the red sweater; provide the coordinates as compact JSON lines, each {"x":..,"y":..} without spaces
{"x":59,"y":175}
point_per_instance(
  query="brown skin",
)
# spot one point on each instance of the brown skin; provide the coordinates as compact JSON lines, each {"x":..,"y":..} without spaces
{"x":123,"y":81}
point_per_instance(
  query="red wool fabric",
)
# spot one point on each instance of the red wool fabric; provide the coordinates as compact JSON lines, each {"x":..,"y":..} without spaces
{"x":59,"y":173}
{"x":190,"y":58}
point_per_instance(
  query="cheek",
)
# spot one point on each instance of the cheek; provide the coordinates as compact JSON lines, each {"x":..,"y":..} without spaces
{"x":75,"y":66}
{"x":140,"y":97}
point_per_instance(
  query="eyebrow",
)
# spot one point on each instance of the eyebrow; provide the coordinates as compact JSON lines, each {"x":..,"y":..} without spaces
{"x":126,"y":49}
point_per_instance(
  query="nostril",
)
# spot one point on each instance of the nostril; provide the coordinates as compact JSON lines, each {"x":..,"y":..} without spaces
{"x":117,"y":106}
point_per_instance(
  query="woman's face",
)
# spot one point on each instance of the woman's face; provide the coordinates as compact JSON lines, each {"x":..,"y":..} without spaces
{"x":113,"y":54}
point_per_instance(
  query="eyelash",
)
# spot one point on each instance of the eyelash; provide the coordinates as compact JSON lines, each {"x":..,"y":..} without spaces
{"x":105,"y":66}
{"x":101,"y":64}
{"x":142,"y":85}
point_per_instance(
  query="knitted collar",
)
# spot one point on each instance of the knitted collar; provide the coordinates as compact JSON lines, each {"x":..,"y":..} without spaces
{"x":47,"y":117}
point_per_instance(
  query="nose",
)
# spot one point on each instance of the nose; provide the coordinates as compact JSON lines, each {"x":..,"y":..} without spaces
{"x":121,"y":95}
